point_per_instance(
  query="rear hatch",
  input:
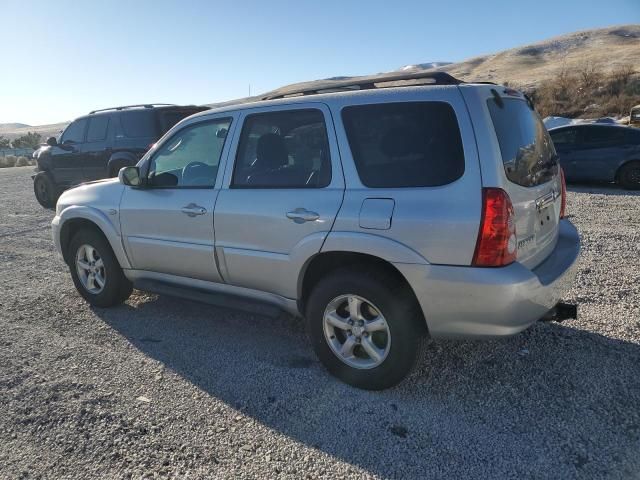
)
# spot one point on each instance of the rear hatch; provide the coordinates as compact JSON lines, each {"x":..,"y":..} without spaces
{"x":533,"y":180}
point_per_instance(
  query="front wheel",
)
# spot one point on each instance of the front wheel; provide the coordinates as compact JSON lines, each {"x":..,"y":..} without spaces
{"x":95,"y":270}
{"x":365,"y":331}
{"x":45,"y":190}
{"x":629,"y":176}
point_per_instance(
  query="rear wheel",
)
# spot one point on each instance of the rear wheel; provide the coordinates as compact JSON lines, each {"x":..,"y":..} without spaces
{"x":95,"y":270}
{"x":45,"y":190}
{"x":365,"y":331}
{"x":629,"y":176}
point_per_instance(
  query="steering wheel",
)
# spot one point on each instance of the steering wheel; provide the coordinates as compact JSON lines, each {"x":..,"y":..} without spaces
{"x":188,"y":170}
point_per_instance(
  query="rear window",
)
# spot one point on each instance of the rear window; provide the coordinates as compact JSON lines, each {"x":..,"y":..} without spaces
{"x":528,"y":154}
{"x":137,"y":124}
{"x":409,"y":144}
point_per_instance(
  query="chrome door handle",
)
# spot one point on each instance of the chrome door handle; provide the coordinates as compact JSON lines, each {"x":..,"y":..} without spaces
{"x":301,"y":215}
{"x":193,"y":210}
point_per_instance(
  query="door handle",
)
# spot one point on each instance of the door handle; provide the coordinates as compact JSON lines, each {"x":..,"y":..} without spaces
{"x":193,"y":210}
{"x":301,"y":215}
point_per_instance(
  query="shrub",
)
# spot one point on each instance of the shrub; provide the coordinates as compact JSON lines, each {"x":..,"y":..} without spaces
{"x":588,"y":91}
{"x":22,"y":162}
{"x":8,"y":161}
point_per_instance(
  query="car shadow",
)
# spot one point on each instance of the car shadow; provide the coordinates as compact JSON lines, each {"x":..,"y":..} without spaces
{"x":554,"y":397}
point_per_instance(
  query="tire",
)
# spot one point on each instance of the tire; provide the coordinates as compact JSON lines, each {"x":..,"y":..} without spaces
{"x":629,"y":176}
{"x":115,"y":169}
{"x":45,"y":190}
{"x":391,"y":301}
{"x":116,"y":287}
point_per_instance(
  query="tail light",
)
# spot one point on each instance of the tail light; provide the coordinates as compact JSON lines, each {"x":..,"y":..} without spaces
{"x":563,"y":198}
{"x":497,"y":243}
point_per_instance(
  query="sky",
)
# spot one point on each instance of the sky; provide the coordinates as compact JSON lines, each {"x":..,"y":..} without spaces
{"x":61,"y":59}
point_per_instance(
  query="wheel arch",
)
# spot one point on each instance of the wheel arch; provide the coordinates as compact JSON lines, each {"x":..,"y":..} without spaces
{"x":325,"y":262}
{"x":75,"y":218}
{"x":123,"y":158}
{"x":624,"y":164}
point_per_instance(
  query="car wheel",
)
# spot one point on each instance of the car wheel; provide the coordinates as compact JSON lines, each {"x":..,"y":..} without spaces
{"x":45,"y":190}
{"x":629,"y":176}
{"x":365,"y":331}
{"x":95,"y":270}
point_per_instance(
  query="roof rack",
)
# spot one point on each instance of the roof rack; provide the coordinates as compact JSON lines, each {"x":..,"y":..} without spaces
{"x":362,"y":83}
{"x":145,"y":105}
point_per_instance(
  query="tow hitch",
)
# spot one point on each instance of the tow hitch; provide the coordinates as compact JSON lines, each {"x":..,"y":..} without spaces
{"x":561,"y":312}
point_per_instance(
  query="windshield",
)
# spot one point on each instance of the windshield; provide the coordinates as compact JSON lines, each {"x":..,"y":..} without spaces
{"x":528,"y":154}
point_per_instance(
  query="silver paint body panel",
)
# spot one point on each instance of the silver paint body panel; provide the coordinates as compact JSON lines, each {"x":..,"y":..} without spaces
{"x":246,"y":245}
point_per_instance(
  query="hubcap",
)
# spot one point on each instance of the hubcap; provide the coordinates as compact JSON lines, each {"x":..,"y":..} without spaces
{"x":356,"y":331}
{"x":90,"y":268}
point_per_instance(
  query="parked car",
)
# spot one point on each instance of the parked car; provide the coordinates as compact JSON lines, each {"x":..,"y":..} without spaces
{"x":603,"y":153}
{"x":97,"y":145}
{"x":380,"y":215}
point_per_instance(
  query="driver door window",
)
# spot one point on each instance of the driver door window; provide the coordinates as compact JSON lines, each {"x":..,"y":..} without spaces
{"x":74,"y":133}
{"x":191,"y":157}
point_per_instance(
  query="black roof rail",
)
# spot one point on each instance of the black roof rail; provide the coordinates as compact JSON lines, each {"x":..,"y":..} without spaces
{"x":362,"y":83}
{"x":145,"y":105}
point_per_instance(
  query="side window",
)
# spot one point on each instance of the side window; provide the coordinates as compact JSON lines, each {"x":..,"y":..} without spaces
{"x":566,"y":136}
{"x":287,"y":149}
{"x":191,"y":157}
{"x":74,"y":133}
{"x":97,"y":128}
{"x":412,"y":144}
{"x":602,"y":136}
{"x":139,"y":123}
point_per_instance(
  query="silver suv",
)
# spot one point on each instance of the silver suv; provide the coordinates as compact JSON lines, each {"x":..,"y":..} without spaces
{"x":381,"y":214}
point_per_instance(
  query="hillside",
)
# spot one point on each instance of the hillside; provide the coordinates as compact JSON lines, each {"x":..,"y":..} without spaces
{"x":528,"y":66}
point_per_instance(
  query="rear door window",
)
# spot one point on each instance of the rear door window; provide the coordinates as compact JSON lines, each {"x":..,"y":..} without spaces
{"x":97,"y":128}
{"x":595,"y":137}
{"x":283,"y":149}
{"x":408,"y":144}
{"x":140,"y":123}
{"x":74,"y":133}
{"x":528,"y":154}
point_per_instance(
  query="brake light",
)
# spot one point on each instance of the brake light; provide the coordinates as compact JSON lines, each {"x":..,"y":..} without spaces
{"x":497,"y":244}
{"x":563,"y":198}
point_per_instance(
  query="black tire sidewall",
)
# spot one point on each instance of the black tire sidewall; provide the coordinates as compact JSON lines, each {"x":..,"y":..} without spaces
{"x":43,"y":178}
{"x":117,"y":288}
{"x":625,"y":171}
{"x":397,"y":308}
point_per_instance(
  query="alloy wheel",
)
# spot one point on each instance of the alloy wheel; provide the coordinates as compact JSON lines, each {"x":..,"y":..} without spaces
{"x":356,"y":331}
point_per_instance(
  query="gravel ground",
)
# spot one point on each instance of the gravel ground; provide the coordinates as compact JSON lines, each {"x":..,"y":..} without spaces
{"x":168,"y":388}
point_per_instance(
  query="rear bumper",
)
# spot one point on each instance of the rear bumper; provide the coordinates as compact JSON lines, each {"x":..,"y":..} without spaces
{"x":468,"y":302}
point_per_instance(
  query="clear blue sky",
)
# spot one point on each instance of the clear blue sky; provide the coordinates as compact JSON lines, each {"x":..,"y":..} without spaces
{"x":61,"y":59}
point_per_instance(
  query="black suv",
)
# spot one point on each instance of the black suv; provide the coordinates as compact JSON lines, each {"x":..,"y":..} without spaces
{"x":98,"y":145}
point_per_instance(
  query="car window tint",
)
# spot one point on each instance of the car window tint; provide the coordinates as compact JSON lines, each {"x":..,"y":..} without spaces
{"x":97,"y":128}
{"x":191,"y":157}
{"x":75,"y":131}
{"x":528,"y":154}
{"x":412,"y":144}
{"x":283,"y":150}
{"x":564,"y":137}
{"x":168,"y":118}
{"x":140,"y":123}
{"x":602,"y":135}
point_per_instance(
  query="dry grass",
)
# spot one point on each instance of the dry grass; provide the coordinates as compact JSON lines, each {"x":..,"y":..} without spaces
{"x":588,"y":91}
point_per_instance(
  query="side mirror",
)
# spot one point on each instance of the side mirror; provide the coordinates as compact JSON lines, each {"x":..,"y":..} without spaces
{"x":52,"y":142}
{"x":130,"y":176}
